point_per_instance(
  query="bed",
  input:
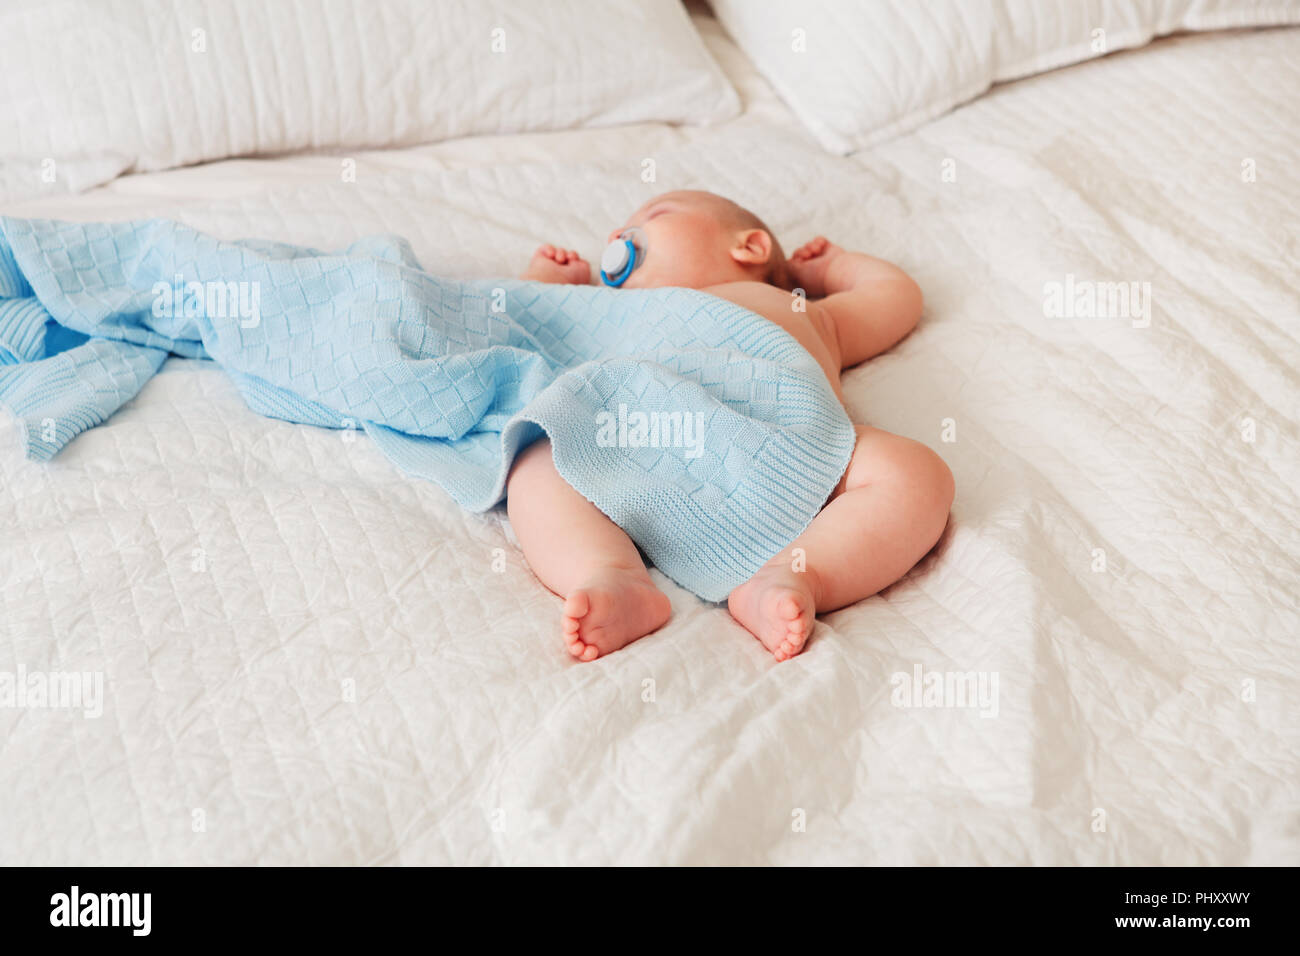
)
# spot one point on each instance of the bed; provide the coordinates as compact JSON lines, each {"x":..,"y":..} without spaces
{"x":308,"y":658}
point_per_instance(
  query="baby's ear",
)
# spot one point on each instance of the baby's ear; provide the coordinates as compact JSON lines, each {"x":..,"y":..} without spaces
{"x":753,"y":247}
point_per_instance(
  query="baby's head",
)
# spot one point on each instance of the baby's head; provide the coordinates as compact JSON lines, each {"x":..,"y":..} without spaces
{"x":697,"y":239}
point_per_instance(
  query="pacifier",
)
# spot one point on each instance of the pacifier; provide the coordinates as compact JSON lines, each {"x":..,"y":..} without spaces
{"x":622,"y":256}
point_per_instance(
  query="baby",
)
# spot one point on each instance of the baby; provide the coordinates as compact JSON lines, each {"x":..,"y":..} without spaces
{"x":889,"y":507}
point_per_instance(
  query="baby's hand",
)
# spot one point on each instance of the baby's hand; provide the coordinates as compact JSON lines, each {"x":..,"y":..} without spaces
{"x":558,"y":266}
{"x":807,"y":265}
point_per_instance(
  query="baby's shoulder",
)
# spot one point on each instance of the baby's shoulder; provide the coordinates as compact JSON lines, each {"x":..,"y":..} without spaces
{"x":803,"y":318}
{"x":771,"y":303}
{"x":786,"y":309}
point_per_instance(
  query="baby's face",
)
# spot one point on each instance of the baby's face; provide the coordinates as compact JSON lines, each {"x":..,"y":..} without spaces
{"x":688,"y":242}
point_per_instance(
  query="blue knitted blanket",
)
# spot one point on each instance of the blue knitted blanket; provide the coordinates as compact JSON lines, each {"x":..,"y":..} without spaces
{"x":704,"y":431}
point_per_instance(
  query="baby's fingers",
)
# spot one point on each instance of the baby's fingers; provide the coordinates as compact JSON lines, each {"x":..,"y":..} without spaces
{"x":810,"y":249}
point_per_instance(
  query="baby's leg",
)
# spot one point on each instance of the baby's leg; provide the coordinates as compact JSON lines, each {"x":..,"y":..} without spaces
{"x":582,"y":556}
{"x":889,"y":510}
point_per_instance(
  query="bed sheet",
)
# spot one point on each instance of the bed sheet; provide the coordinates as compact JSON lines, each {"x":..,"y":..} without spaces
{"x":308,"y":658}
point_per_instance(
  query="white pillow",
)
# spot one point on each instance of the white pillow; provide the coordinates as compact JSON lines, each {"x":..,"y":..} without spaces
{"x":861,"y":71}
{"x":93,"y":88}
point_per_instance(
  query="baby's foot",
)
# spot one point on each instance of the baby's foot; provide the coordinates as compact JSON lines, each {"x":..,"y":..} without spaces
{"x":558,"y":266}
{"x":776,"y":605}
{"x":613,"y":609}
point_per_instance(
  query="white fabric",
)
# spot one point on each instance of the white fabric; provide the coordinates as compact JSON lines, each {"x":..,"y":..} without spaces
{"x":334,"y":664}
{"x":858,"y":72}
{"x":93,"y":88}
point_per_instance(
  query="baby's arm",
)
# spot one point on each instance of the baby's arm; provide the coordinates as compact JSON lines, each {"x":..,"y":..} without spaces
{"x":558,"y":266}
{"x":871,"y":304}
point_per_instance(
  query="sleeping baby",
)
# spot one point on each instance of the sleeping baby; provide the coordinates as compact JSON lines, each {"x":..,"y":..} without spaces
{"x":890,"y":505}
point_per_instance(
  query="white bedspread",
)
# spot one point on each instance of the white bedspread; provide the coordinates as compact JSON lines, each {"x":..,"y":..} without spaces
{"x":309,"y":659}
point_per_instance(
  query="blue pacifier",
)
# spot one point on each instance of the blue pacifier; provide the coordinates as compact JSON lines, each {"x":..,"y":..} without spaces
{"x":622,"y":256}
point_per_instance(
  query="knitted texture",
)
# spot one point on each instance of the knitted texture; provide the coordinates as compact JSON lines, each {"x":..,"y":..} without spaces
{"x":703,"y":430}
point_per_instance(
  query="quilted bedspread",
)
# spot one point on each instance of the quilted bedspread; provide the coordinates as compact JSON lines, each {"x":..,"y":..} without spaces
{"x":309,"y":657}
